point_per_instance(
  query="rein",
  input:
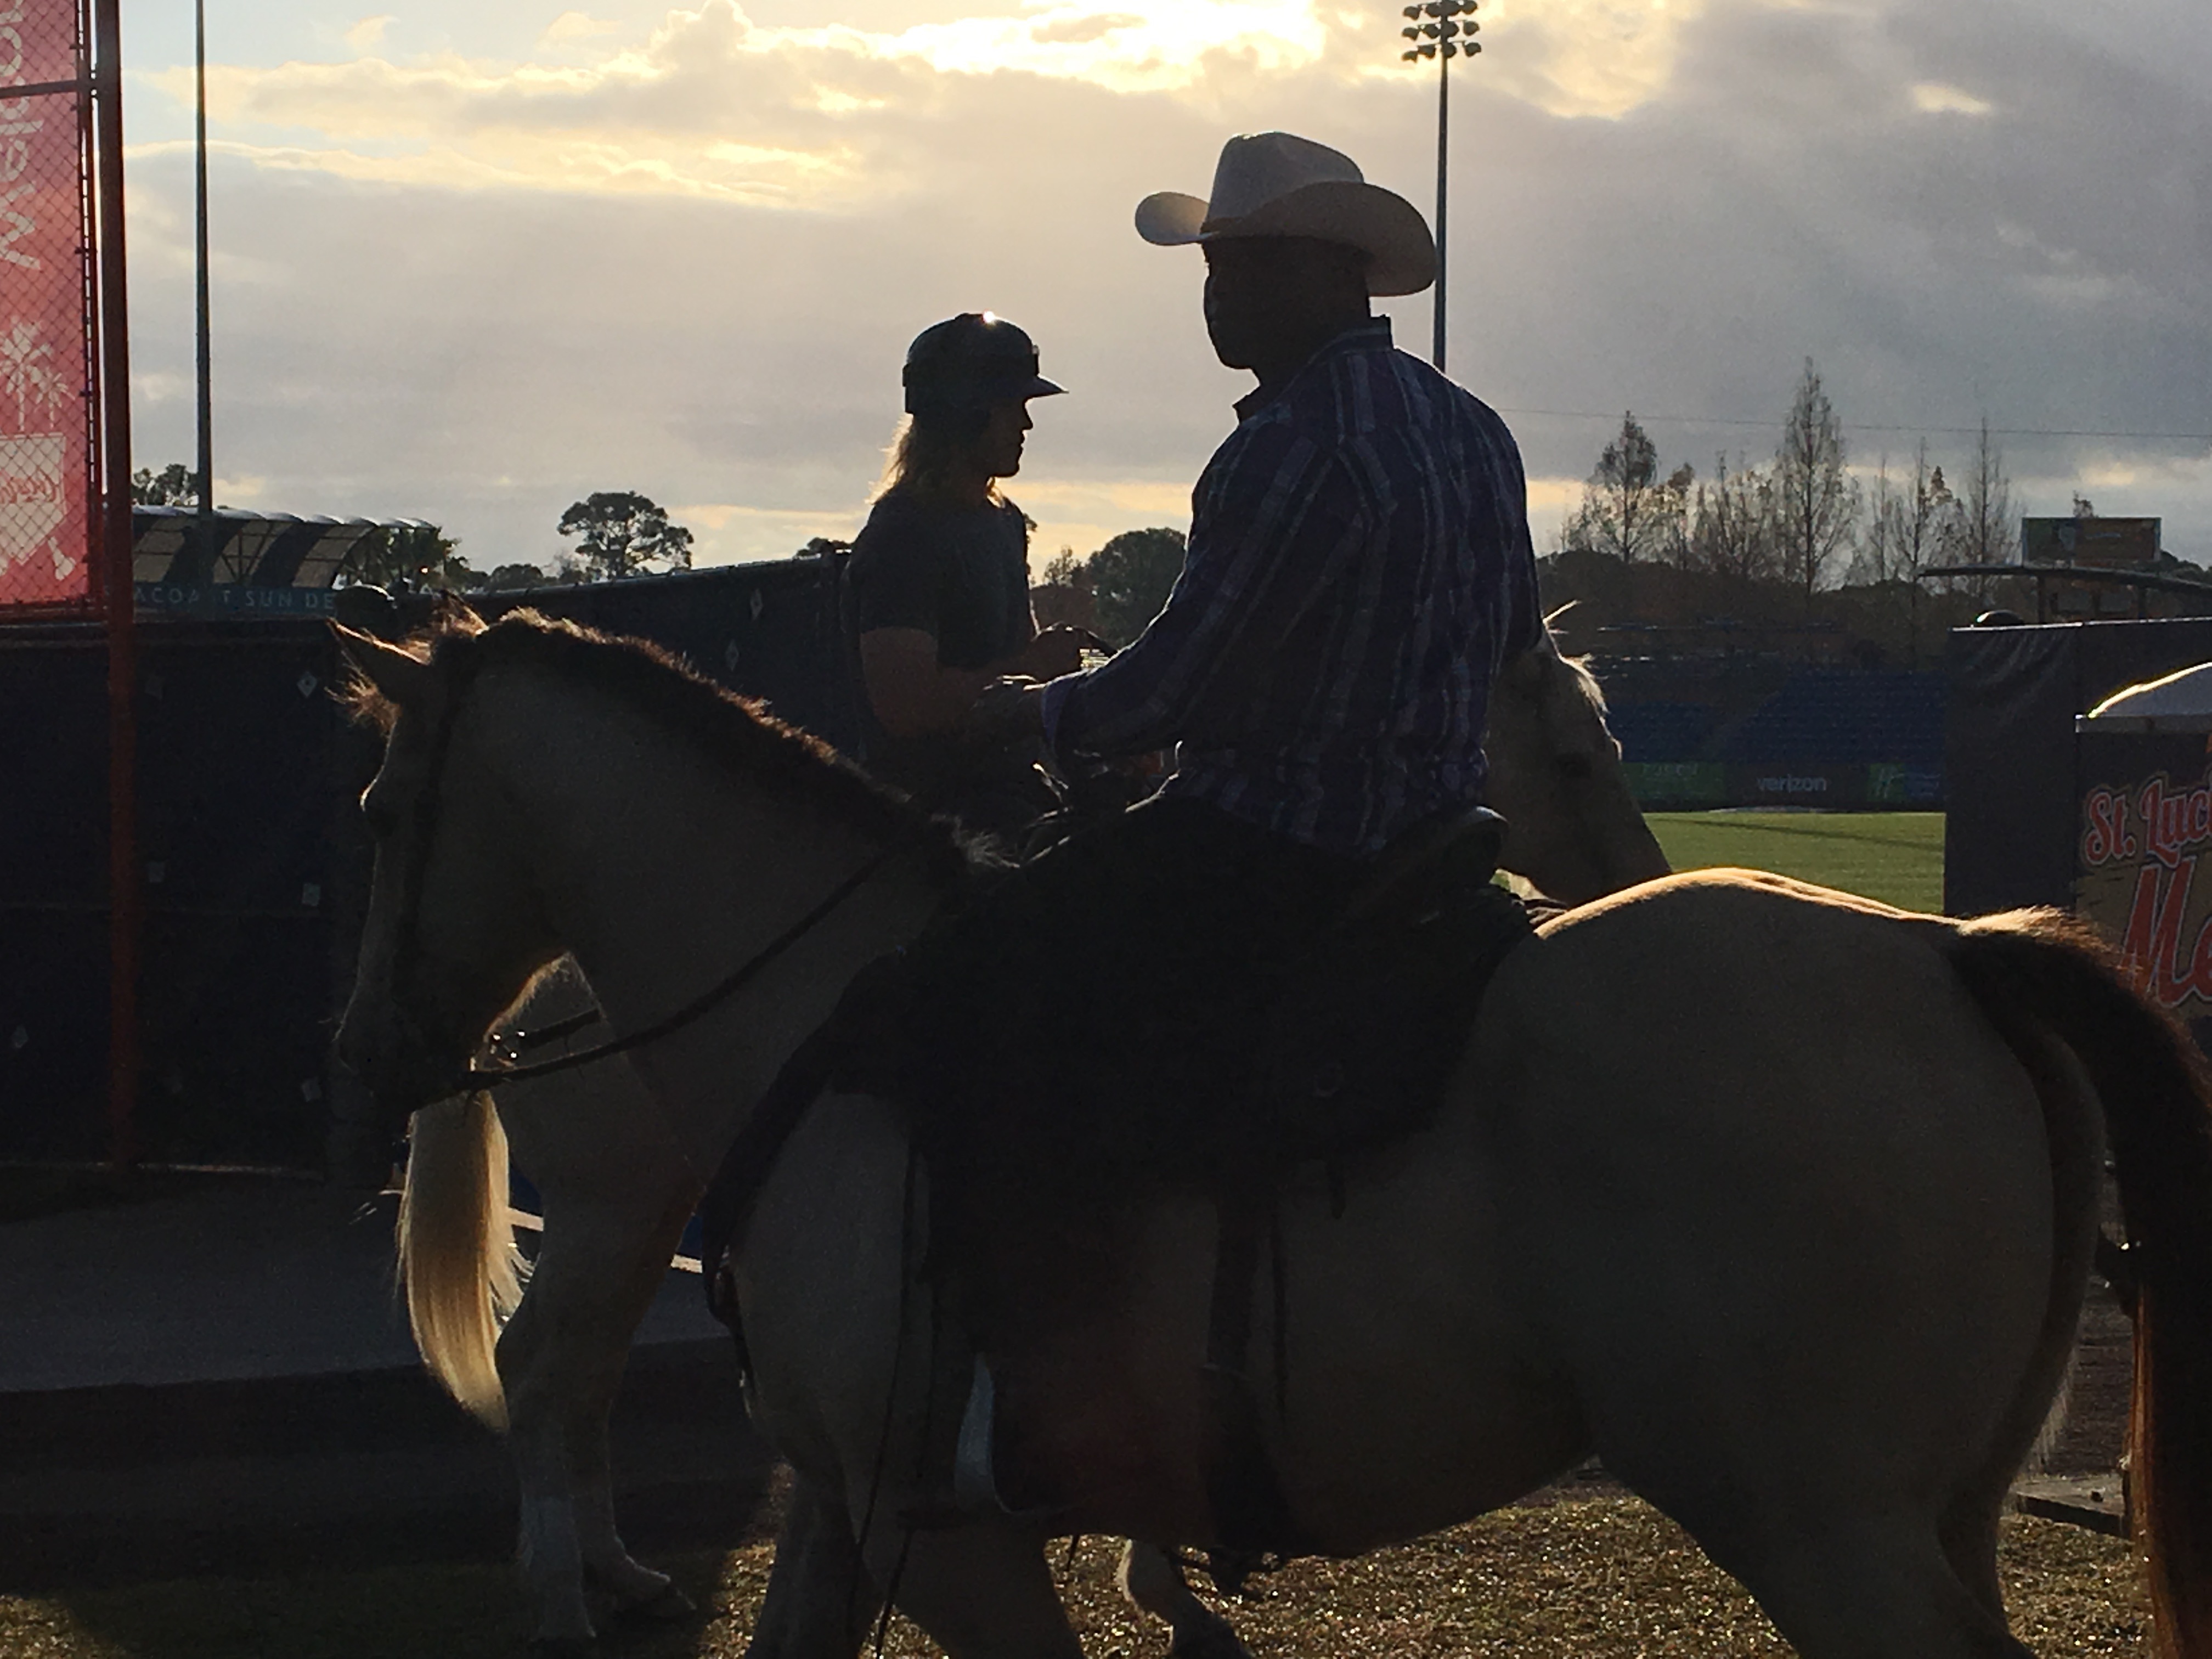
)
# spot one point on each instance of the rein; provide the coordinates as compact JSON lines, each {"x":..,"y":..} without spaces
{"x":485,"y":1077}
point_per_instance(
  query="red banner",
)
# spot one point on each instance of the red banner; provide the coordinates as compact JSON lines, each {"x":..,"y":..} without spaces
{"x":46,"y":401}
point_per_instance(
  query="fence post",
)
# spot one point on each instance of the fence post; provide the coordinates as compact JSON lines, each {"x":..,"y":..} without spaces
{"x":124,"y":892}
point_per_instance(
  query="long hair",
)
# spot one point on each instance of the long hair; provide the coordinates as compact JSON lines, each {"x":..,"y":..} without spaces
{"x":925,"y":449}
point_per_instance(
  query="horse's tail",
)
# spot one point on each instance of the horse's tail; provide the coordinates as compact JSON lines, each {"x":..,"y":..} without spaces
{"x":457,"y":1254}
{"x":2043,"y":970}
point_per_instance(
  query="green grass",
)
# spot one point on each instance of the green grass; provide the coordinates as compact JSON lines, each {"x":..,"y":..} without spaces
{"x":1896,"y":858}
{"x":1603,"y":1579}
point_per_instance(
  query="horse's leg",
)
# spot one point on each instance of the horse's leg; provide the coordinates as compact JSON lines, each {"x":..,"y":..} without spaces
{"x":819,"y":1604}
{"x":1154,"y":1584}
{"x":546,"y":1548}
{"x":1868,"y":1589}
{"x":602,"y":1256}
{"x":637,"y":1589}
{"x":980,"y":1591}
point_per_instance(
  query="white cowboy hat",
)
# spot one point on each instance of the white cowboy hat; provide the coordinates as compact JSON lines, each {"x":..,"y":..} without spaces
{"x":1276,"y":184}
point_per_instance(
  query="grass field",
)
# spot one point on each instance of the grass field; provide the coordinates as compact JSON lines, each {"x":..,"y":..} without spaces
{"x":1598,"y":1579}
{"x":1894,"y":857}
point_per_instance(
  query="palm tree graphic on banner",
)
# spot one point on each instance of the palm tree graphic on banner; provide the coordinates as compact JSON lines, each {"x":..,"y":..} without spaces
{"x":31,"y":505}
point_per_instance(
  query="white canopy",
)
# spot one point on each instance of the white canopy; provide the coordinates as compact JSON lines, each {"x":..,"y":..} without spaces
{"x":2179,"y":701}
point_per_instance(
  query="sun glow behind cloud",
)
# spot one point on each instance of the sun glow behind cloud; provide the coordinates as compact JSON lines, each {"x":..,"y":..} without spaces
{"x":710,"y":104}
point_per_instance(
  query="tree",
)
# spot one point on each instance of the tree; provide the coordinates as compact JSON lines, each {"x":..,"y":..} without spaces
{"x":1985,"y":531}
{"x":1910,"y":528}
{"x":407,"y":559}
{"x":1064,"y":594}
{"x":1131,"y":577}
{"x":1732,"y":524}
{"x":1816,"y":501}
{"x":175,"y":485}
{"x":620,"y":534}
{"x":1628,"y":510}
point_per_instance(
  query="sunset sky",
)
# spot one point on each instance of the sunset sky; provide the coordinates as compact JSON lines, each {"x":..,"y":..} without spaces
{"x":477,"y":259}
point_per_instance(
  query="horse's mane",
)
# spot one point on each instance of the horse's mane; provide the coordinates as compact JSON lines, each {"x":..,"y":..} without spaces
{"x":734,"y":731}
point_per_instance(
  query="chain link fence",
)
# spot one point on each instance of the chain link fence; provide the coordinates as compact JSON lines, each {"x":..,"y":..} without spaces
{"x":47,"y":380}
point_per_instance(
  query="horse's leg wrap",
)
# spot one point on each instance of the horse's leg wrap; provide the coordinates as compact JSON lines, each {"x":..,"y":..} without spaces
{"x":1154,"y":1585}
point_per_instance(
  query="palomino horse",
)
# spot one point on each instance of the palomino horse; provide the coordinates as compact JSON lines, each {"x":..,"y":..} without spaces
{"x":540,"y":1358}
{"x":1781,"y":1202}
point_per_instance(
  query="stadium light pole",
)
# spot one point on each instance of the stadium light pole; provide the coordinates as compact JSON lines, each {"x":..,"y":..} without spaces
{"x":1442,"y":37}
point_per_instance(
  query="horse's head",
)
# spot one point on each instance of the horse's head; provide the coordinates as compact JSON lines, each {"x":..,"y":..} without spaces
{"x":1575,"y":832}
{"x":454,"y":934}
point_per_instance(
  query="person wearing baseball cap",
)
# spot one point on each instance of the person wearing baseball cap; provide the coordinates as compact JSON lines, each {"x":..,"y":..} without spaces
{"x":939,"y":600}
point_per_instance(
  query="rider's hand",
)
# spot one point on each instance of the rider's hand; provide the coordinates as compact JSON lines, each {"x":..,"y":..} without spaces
{"x":1006,"y":711}
{"x":1058,"y":650}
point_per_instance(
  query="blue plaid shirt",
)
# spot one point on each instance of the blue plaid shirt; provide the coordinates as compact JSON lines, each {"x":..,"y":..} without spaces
{"x":1359,"y":568}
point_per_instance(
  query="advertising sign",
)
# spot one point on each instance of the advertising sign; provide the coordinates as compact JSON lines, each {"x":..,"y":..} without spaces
{"x":2118,"y":544}
{"x":2144,"y":857}
{"x":45,"y":368}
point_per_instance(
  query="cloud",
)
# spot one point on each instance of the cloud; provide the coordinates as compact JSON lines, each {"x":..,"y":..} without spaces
{"x":820,"y":118}
{"x":368,"y":34}
{"x":575,"y":26}
{"x":1933,"y":98}
{"x":690,"y":263}
{"x":1601,"y":59}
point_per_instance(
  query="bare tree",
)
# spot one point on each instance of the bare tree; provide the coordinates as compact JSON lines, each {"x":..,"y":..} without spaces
{"x":1732,"y":523}
{"x":1913,"y":524}
{"x":1986,"y":533}
{"x":1627,"y":509}
{"x":1817,"y":503}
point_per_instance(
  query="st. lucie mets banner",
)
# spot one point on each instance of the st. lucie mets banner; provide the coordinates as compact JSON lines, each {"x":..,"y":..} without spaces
{"x":2144,"y":876}
{"x":46,"y":357}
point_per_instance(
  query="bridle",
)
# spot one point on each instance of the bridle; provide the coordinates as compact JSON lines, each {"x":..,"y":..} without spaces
{"x":407,"y":949}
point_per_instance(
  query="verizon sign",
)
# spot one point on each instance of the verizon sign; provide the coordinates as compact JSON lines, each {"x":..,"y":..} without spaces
{"x":46,"y":405}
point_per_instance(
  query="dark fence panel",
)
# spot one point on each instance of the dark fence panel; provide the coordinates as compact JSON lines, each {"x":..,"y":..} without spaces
{"x":2011,"y":765}
{"x":249,"y":854}
{"x":257,"y":865}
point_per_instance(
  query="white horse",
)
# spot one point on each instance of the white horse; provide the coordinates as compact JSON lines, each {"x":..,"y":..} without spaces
{"x":1781,"y":1202}
{"x":539,"y":1356}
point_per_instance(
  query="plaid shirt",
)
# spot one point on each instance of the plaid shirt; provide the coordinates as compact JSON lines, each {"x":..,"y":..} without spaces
{"x":1359,"y":568}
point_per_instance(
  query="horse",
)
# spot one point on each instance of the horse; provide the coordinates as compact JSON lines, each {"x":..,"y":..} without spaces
{"x":537,"y":1353}
{"x":1781,"y":1202}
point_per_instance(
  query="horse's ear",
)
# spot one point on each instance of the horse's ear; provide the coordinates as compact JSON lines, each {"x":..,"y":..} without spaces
{"x":451,"y":614}
{"x":1552,"y":621}
{"x":399,"y":676}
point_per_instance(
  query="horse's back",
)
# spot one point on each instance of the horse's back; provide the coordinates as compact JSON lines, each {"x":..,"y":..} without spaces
{"x":1785,"y":1197}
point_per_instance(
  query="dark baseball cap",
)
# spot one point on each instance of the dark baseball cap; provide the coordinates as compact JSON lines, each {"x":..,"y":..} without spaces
{"x":971,"y":361}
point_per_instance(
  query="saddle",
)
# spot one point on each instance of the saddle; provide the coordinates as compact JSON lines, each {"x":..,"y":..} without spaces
{"x":1355,"y":1045}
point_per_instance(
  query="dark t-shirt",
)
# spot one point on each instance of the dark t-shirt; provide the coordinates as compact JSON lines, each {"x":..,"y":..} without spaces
{"x":962,"y":575}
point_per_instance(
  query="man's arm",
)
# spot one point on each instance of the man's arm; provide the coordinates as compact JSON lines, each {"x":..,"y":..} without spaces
{"x":1273,"y":520}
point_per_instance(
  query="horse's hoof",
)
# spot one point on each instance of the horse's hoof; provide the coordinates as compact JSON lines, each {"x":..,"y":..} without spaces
{"x":563,"y":1647}
{"x":666,"y":1606}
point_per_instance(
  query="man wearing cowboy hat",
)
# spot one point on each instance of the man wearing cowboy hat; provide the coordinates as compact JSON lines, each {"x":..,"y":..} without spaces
{"x":1359,"y":563}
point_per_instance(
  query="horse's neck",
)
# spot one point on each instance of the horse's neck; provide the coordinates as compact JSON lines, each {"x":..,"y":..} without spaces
{"x":666,"y":871}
